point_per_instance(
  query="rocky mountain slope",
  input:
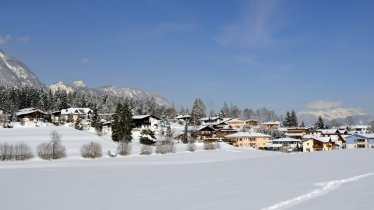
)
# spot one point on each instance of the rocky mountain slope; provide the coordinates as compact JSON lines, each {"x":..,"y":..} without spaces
{"x":15,"y":73}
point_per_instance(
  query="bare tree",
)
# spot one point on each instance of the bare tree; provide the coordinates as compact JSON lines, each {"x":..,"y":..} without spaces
{"x":191,"y":147}
{"x":211,"y":145}
{"x":146,"y":150}
{"x":53,"y":149}
{"x":91,"y":150}
{"x":124,"y":148}
{"x":18,"y":151}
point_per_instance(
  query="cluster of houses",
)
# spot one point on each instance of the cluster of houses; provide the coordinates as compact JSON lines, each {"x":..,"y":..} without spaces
{"x":241,"y":133}
{"x":237,"y":132}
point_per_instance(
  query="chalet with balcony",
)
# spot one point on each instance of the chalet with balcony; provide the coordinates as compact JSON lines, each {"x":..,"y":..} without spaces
{"x":357,"y":141}
{"x":271,"y":125}
{"x":285,"y":145}
{"x":146,"y":122}
{"x":205,"y":132}
{"x":312,"y":143}
{"x":246,"y":139}
{"x":31,"y":114}
{"x":235,"y":123}
{"x":251,"y":123}
{"x":85,"y":114}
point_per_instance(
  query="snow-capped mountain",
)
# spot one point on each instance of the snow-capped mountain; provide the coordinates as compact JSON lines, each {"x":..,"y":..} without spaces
{"x":338,"y":114}
{"x":15,"y":73}
{"x":132,"y":93}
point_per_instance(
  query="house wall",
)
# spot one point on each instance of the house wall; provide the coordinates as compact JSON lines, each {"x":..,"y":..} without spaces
{"x":236,"y":124}
{"x":356,"y":142}
{"x":249,"y":141}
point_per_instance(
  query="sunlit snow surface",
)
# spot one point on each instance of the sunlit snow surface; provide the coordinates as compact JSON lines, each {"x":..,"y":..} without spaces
{"x":231,"y":178}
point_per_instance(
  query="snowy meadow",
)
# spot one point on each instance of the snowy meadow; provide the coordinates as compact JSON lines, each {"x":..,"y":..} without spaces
{"x":231,"y":177}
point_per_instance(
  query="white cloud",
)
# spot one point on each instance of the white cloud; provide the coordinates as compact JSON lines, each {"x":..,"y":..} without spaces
{"x":4,"y":39}
{"x":85,"y":61}
{"x":25,"y":38}
{"x":323,"y":104}
{"x":255,"y":27}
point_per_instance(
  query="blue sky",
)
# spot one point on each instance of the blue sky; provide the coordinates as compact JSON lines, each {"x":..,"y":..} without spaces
{"x":285,"y":54}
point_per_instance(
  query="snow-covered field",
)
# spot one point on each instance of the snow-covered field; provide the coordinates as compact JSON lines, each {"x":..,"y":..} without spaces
{"x":231,"y":178}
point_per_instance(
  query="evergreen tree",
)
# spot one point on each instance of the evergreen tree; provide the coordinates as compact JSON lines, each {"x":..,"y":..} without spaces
{"x":123,"y":123}
{"x":294,"y":122}
{"x":320,"y":123}
{"x":225,"y":111}
{"x":116,"y":131}
{"x":198,"y":111}
{"x":302,"y":124}
{"x":95,"y":118}
{"x":185,"y":134}
{"x":287,"y":120}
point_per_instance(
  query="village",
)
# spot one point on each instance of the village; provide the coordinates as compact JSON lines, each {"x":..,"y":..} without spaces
{"x":249,"y":133}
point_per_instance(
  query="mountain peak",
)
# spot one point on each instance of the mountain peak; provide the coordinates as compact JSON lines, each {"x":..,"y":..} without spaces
{"x":79,"y":84}
{"x":15,"y":73}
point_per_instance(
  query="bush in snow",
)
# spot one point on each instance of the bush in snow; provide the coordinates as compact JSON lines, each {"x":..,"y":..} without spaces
{"x":124,"y":148}
{"x":166,"y":146}
{"x":211,"y":145}
{"x":146,"y":150}
{"x":53,"y":149}
{"x":91,"y":150}
{"x":191,"y":147}
{"x":22,"y":151}
{"x":18,"y":151}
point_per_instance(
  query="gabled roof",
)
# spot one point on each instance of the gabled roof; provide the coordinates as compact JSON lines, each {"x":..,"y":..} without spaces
{"x":234,"y":120}
{"x":272,"y":123}
{"x":76,"y":111}
{"x":183,"y":116}
{"x":139,"y":117}
{"x":28,"y":111}
{"x":209,"y":128}
{"x":286,"y":140}
{"x":210,"y":118}
{"x":365,"y":136}
{"x":329,"y":131}
{"x":247,"y":134}
{"x":318,"y":138}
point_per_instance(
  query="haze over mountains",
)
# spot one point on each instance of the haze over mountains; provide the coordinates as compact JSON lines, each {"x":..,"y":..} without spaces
{"x":14,"y":72}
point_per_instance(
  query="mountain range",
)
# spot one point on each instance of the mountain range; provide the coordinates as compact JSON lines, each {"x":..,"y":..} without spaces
{"x":14,"y":73}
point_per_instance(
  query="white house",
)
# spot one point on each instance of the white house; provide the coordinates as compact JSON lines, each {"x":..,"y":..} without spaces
{"x":284,"y":144}
{"x":360,"y":141}
{"x":146,"y":122}
{"x":84,"y":113}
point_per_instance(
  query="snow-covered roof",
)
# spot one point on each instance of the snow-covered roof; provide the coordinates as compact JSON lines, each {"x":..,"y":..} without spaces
{"x":328,"y":131}
{"x":366,"y":136}
{"x":139,"y":117}
{"x":286,"y":140}
{"x":360,"y":127}
{"x":183,"y":116}
{"x":293,"y":134}
{"x":75,"y":111}
{"x":316,"y":137}
{"x":247,"y":134}
{"x":272,"y":123}
{"x":28,"y":111}
{"x":210,"y":118}
{"x":235,"y":120}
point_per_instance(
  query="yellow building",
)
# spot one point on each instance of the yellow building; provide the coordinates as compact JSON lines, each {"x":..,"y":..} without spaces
{"x":271,"y":125}
{"x":316,"y":143}
{"x":246,"y":139}
{"x":235,"y":124}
